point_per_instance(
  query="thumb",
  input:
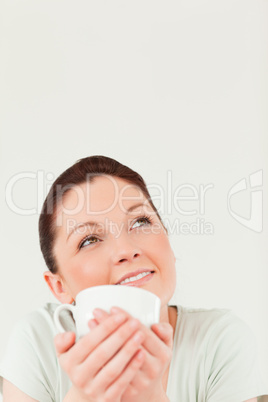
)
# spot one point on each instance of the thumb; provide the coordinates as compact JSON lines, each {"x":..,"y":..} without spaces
{"x":63,"y":342}
{"x":165,"y":332}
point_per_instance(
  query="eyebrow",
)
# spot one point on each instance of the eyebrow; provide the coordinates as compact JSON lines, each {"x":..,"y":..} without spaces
{"x":93,"y":223}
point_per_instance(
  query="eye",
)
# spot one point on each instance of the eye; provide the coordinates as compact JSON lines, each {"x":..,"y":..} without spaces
{"x":143,"y":220}
{"x":88,"y":241}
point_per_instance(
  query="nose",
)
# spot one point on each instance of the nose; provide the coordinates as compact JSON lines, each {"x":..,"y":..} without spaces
{"x":124,"y":250}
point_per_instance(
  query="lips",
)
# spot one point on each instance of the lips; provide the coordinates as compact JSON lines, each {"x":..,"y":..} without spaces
{"x":132,"y":274}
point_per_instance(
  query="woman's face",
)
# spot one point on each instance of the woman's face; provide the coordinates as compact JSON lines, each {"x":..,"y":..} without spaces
{"x":107,"y":232}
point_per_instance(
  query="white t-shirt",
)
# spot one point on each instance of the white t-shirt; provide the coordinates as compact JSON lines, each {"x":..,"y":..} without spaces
{"x":214,"y":358}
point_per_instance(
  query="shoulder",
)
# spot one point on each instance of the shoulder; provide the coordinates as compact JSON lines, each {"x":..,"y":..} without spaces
{"x":36,"y":372}
{"x":40,"y":323}
{"x":32,"y":334}
{"x":35,"y":323}
{"x":208,"y":319}
{"x":213,"y":328}
{"x":217,"y":353}
{"x":41,"y":315}
{"x":221,"y":340}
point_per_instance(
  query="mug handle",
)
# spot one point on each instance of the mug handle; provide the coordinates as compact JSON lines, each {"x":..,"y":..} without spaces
{"x":56,"y":316}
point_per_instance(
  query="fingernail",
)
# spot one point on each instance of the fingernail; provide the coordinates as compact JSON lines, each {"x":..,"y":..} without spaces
{"x":98,"y":313}
{"x":92,"y":324}
{"x":138,"y":337}
{"x":120,"y":317}
{"x":140,"y":355}
{"x":67,"y":336}
{"x":134,"y":323}
{"x":115,"y":310}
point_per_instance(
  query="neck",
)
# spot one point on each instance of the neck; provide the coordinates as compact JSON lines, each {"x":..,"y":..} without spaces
{"x":169,"y":314}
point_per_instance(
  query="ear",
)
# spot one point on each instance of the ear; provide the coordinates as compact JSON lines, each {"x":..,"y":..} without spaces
{"x":55,"y":284}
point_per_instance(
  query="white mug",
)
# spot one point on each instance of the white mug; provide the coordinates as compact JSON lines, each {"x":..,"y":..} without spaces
{"x":140,"y":303}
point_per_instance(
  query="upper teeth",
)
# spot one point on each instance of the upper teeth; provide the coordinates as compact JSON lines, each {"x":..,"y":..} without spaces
{"x":135,"y":278}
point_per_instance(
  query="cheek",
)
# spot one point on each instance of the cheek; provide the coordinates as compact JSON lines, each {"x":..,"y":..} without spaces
{"x":88,"y":271}
{"x":163,"y":242}
{"x":160,"y":247}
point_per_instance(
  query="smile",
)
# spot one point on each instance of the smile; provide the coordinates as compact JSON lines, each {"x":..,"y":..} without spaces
{"x":138,"y":279}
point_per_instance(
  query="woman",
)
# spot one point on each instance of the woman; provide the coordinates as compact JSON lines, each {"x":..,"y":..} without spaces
{"x":99,"y":226}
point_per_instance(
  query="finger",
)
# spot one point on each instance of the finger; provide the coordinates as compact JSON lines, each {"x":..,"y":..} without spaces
{"x":111,"y":346}
{"x":157,"y":349}
{"x":151,"y":369}
{"x":116,"y":310}
{"x":100,"y":315}
{"x":92,"y":324}
{"x":152,"y":343}
{"x":115,"y":366}
{"x":150,"y":364}
{"x":165,"y":332}
{"x":123,"y":382}
{"x":63,"y":342}
{"x":80,"y":351}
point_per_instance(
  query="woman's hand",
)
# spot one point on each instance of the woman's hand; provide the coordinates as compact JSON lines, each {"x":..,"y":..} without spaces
{"x":102,"y":364}
{"x":147,"y":384}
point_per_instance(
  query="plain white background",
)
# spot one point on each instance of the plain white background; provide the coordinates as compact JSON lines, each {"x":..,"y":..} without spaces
{"x":177,"y":90}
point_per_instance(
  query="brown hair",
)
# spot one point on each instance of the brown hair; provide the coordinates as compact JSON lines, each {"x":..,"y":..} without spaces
{"x":83,"y":170}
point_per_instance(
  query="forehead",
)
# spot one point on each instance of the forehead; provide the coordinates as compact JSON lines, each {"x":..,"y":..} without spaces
{"x":102,"y":195}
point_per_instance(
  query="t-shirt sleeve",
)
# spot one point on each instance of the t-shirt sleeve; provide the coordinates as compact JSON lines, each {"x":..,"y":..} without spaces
{"x":231,"y":365}
{"x":28,"y":362}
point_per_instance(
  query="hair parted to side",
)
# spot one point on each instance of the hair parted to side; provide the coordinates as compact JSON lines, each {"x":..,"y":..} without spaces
{"x":83,"y":170}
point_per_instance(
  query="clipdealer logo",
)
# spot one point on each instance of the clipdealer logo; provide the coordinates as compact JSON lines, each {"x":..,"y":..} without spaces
{"x":187,"y":201}
{"x":255,"y":192}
